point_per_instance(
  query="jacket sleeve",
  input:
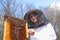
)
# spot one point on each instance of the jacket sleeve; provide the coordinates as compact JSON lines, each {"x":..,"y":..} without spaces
{"x":51,"y":32}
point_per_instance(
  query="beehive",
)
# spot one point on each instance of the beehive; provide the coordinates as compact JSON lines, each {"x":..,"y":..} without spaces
{"x":14,"y":28}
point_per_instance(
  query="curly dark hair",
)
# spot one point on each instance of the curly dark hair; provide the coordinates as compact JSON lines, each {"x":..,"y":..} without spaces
{"x":40,"y":17}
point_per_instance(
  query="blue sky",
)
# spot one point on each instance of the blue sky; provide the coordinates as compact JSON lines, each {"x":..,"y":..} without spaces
{"x":37,"y":3}
{"x":42,"y":3}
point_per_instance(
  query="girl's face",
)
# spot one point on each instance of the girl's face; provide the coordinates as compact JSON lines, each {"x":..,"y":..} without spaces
{"x":34,"y":18}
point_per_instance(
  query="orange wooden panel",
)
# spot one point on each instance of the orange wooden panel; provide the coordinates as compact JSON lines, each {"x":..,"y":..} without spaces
{"x":6,"y":31}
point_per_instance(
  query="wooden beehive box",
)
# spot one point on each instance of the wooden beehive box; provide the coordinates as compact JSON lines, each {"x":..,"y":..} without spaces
{"x":14,"y":28}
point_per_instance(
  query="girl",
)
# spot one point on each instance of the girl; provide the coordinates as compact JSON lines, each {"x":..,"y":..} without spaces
{"x":39,"y":27}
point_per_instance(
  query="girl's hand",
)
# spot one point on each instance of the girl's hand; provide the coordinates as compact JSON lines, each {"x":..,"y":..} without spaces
{"x":31,"y":31}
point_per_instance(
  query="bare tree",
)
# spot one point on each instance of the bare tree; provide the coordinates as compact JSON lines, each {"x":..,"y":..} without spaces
{"x":52,"y":14}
